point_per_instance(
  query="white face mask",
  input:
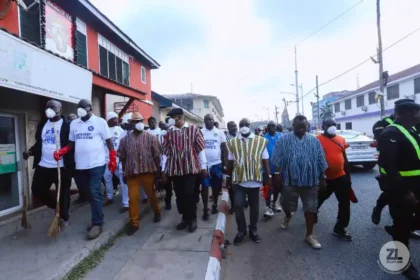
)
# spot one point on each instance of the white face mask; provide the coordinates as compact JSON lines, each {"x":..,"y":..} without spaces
{"x":81,"y":112}
{"x":332,"y":130}
{"x":244,"y":130}
{"x":50,"y":113}
{"x":164,"y":132}
{"x":171,"y":122}
{"x":139,"y":126}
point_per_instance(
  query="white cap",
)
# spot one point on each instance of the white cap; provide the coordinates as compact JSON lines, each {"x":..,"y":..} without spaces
{"x":126,"y":118}
{"x":111,"y":115}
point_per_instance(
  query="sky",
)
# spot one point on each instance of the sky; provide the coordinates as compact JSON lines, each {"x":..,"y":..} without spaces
{"x":242,"y":51}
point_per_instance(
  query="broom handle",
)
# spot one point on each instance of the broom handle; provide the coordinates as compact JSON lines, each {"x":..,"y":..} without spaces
{"x":57,"y":147}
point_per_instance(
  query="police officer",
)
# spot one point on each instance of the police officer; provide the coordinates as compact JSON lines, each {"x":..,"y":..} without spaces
{"x":400,"y":172}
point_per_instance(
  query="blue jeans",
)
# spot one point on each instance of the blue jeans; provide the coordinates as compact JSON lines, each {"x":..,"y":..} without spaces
{"x":91,"y":179}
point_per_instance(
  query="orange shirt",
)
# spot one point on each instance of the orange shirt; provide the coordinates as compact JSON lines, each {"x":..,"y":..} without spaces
{"x":333,"y":155}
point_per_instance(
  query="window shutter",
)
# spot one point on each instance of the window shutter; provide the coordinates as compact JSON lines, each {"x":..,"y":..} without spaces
{"x":103,"y":61}
{"x":112,"y":70}
{"x":125,"y":74}
{"x":30,"y":25}
{"x":81,"y":49}
{"x":119,"y":70}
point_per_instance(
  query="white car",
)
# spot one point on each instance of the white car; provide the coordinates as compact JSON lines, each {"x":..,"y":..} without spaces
{"x":361,"y":149}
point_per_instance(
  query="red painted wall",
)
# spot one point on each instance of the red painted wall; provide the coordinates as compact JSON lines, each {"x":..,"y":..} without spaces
{"x":93,"y":49}
{"x":135,"y":78}
{"x":10,"y":22}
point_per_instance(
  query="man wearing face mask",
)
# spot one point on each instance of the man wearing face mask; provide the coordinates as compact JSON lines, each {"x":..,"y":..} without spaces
{"x":338,"y":176}
{"x":183,"y":146}
{"x":247,"y":156}
{"x":87,"y":136}
{"x":300,"y":163}
{"x":140,"y":155}
{"x":46,"y":166}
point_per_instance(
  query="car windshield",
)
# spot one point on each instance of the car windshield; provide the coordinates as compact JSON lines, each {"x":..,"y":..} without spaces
{"x":348,"y":134}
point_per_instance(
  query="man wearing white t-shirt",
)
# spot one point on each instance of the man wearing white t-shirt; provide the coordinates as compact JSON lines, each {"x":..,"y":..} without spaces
{"x":45,"y":165}
{"x":153,"y":129}
{"x":87,"y":136}
{"x":215,"y":143}
{"x":116,"y":132}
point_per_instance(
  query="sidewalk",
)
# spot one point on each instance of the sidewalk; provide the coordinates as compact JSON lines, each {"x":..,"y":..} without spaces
{"x":30,"y":254}
{"x":159,"y":251}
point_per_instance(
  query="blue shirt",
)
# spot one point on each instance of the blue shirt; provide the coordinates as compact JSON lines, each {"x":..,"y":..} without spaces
{"x":270,"y":146}
{"x":301,"y":161}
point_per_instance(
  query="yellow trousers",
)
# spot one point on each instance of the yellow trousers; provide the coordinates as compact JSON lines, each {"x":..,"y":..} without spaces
{"x":147,"y":181}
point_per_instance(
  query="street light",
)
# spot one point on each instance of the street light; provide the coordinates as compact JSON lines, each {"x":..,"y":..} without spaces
{"x":301,"y":90}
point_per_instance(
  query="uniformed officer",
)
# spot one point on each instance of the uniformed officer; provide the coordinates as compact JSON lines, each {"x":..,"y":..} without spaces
{"x":399,"y":162}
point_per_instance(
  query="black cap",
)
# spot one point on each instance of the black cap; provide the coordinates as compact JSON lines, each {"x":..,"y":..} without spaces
{"x":175,"y":112}
{"x":407,"y":103}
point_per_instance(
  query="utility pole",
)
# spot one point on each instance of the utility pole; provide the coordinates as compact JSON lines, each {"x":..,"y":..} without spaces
{"x":297,"y":84}
{"x":380,"y":58}
{"x":301,"y":99}
{"x":268,"y":113}
{"x":317,"y":100}
{"x":276,"y":113}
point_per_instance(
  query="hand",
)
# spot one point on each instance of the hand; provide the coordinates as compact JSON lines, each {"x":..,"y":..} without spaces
{"x":112,"y":165}
{"x":27,"y":154}
{"x":411,"y":200}
{"x":58,"y":155}
{"x":204,"y":173}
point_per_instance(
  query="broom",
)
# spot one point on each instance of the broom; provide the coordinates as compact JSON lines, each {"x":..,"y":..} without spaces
{"x":54,"y":229}
{"x":25,"y":222}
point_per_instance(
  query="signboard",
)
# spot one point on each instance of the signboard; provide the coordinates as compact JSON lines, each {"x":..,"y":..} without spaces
{"x":27,"y":68}
{"x":7,"y":158}
{"x":59,"y":38}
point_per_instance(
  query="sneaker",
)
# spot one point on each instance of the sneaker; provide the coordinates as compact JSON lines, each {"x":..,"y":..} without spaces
{"x":63,"y":224}
{"x":206,"y":215}
{"x":268,"y":212}
{"x":376,"y":215}
{"x":94,"y":232}
{"x":285,"y":222}
{"x":254,"y":237}
{"x":310,"y":239}
{"x":168,"y":206}
{"x":239,"y":238}
{"x":116,"y":192}
{"x":123,"y":209}
{"x":182,"y":225}
{"x":157,"y":218}
{"x":276,"y":207}
{"x":411,"y":273}
{"x":342,"y":234}
{"x":414,"y":235}
{"x":131,"y":229}
{"x":192,"y":226}
{"x":108,"y":202}
{"x":214,"y":209}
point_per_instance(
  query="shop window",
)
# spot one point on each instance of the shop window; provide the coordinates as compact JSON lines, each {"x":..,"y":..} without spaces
{"x":393,"y":92}
{"x":81,"y":42}
{"x":349,"y":126}
{"x":372,"y":97}
{"x":337,"y":107}
{"x":30,"y":25}
{"x":347,"y":104}
{"x":360,"y":101}
{"x":143,"y":75}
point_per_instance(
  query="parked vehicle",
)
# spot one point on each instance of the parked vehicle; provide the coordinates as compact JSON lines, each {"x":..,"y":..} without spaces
{"x":361,"y":149}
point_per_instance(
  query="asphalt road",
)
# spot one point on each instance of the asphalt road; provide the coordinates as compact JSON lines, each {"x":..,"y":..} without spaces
{"x":283,"y":254}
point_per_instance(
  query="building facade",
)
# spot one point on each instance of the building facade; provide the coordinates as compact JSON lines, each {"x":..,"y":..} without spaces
{"x":65,"y":50}
{"x":200,"y":105}
{"x":324,"y":102}
{"x":360,"y":109}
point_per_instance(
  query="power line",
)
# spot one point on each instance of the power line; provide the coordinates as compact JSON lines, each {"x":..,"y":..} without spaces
{"x":360,"y":64}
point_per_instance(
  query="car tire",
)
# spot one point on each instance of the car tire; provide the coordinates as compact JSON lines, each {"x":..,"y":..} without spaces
{"x":369,"y":166}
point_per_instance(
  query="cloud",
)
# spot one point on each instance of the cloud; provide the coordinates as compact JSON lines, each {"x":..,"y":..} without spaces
{"x":245,"y":57}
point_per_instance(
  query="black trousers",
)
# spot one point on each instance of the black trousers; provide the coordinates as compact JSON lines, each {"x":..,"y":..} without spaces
{"x":341,"y":187}
{"x":254,"y":204}
{"x":184,"y":187}
{"x":168,"y":191}
{"x":383,"y":200}
{"x":41,"y":185}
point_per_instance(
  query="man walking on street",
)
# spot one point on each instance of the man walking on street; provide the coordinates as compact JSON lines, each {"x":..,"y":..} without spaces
{"x":87,"y":136}
{"x":116,"y":132}
{"x":215,"y":146}
{"x":140,"y":154}
{"x":300,"y":162}
{"x":153,"y":129}
{"x":45,"y":165}
{"x":247,"y":156}
{"x":183,"y":146}
{"x":272,"y":136}
{"x":232,"y":133}
{"x":338,"y":176}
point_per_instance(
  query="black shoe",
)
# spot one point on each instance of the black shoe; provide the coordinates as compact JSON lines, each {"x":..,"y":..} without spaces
{"x":342,"y":234}
{"x":411,"y":273}
{"x":390,"y":230}
{"x":254,"y":237}
{"x":192,"y":226}
{"x":376,"y":215}
{"x":206,"y":215}
{"x":131,"y":229}
{"x":108,"y":202}
{"x":168,"y":206}
{"x":214,"y":209}
{"x":123,"y":209}
{"x":145,"y":200}
{"x":231,"y":211}
{"x":239,"y":238}
{"x":182,"y":225}
{"x":157,"y":218}
{"x":80,"y":201}
{"x":414,"y":235}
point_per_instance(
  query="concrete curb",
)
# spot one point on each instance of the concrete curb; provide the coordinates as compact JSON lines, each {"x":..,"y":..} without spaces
{"x":217,"y":244}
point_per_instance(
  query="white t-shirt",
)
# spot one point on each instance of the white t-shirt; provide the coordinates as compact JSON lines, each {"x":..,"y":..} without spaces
{"x":156,"y":132}
{"x":48,"y":144}
{"x":89,"y":140}
{"x":213,"y":139}
{"x":116,"y":133}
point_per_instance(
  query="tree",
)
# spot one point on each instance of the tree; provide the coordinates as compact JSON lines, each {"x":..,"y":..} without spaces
{"x":326,"y":112}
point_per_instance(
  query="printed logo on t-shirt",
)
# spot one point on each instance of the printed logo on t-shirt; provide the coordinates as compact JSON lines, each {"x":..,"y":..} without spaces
{"x":211,"y":144}
{"x":86,"y":135}
{"x":90,"y":128}
{"x":49,"y":137}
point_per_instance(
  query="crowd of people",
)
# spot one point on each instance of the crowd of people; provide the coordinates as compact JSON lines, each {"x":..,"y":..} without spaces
{"x":176,"y":156}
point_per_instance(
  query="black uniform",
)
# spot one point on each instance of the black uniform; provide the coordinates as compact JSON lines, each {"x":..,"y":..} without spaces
{"x":400,"y":164}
